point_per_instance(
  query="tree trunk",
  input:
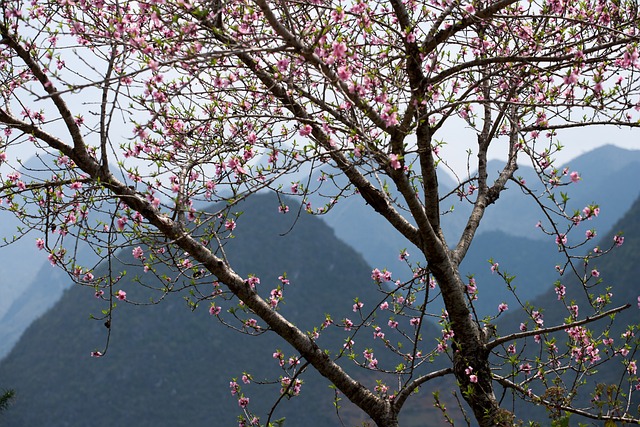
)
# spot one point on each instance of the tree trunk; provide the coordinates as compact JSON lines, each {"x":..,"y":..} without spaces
{"x":470,"y":353}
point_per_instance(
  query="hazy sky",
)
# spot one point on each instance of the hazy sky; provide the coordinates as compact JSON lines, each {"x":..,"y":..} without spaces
{"x":575,"y":142}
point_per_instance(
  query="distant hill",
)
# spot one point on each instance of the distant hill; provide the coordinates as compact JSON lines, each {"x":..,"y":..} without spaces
{"x":28,"y":284}
{"x":508,"y":232}
{"x":168,"y":366}
{"x":620,"y":270}
{"x":371,"y":236}
{"x":20,"y":260}
{"x":609,"y":178}
{"x":531,"y":261}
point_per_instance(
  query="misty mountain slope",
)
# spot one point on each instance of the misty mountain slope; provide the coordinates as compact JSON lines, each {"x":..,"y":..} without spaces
{"x":531,"y":261}
{"x":36,"y":298}
{"x":168,"y":366}
{"x":609,"y":178}
{"x":508,"y":233}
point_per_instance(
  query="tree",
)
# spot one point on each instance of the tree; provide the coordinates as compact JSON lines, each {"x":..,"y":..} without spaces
{"x":5,"y":399}
{"x":225,"y":99}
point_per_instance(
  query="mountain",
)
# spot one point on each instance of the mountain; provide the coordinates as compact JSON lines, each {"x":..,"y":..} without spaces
{"x":370,"y":235}
{"x":608,"y":178}
{"x":531,"y":261}
{"x":508,"y":233}
{"x":167,"y":365}
{"x":364,"y":229}
{"x":25,"y":292}
{"x":619,"y":270}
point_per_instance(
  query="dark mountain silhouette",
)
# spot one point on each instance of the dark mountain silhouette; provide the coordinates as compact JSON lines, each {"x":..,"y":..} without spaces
{"x":168,"y":366}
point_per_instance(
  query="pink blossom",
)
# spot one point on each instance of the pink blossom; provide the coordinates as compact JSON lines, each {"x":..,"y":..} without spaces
{"x":40,"y":243}
{"x":137,"y":252}
{"x":595,"y":273}
{"x":571,"y":78}
{"x":283,"y":279}
{"x":502,"y":307}
{"x":618,"y":240}
{"x":494,"y":267}
{"x":395,"y":162}
{"x":121,"y":295}
{"x":561,"y":239}
{"x":214,"y":310}
{"x":381,"y":276}
{"x":574,"y":310}
{"x":14,"y":176}
{"x":344,"y":73}
{"x":537,"y":317}
{"x":243,"y":402}
{"x":632,"y":368}
{"x":590,"y":234}
{"x":234,"y":387}
{"x":253,"y":281}
{"x":357,"y":306}
{"x":591,"y":211}
{"x":99,"y":293}
{"x":377,"y":333}
{"x":252,"y":323}
{"x":282,"y":65}
{"x":575,"y":177}
{"x":96,"y":354}
{"x":121,"y":222}
{"x":306,"y":130}
{"x":339,"y":49}
{"x":230,"y":224}
{"x":384,"y":306}
{"x":415,"y":321}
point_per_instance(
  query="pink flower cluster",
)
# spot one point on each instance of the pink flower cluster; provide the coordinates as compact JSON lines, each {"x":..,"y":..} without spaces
{"x":381,"y":276}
